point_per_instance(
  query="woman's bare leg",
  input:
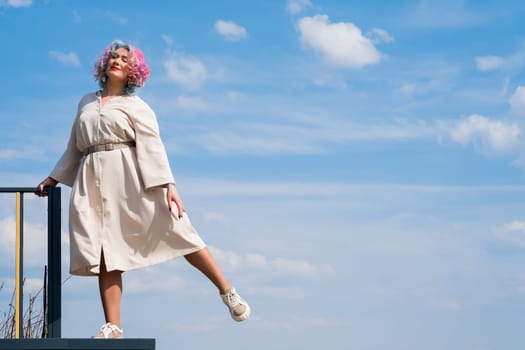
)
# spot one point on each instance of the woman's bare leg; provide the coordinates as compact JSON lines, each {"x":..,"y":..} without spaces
{"x":205,"y":263}
{"x":110,"y":286}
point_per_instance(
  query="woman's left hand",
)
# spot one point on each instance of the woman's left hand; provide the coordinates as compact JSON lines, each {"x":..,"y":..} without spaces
{"x":173,"y":196}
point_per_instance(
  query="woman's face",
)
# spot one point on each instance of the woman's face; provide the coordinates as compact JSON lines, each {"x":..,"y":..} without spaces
{"x":118,"y":68}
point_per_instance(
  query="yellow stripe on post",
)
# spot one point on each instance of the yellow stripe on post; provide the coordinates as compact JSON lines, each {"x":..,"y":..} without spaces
{"x":18,"y":277}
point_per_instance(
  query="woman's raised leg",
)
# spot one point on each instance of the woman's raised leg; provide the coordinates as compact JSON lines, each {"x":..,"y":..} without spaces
{"x":204,"y":262}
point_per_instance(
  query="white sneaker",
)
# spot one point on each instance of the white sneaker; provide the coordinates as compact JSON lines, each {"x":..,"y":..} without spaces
{"x":109,"y":330}
{"x":239,"y":308}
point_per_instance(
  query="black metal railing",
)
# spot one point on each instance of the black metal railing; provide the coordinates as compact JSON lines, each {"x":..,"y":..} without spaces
{"x":54,"y":276}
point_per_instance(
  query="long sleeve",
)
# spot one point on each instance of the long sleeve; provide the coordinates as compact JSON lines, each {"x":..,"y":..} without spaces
{"x":66,"y":169}
{"x":151,"y":154}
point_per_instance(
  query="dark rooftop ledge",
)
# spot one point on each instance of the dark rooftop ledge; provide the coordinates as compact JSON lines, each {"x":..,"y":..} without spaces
{"x":77,"y":344}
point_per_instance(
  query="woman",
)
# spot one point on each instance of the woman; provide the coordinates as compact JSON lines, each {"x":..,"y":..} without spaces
{"x":121,"y":214}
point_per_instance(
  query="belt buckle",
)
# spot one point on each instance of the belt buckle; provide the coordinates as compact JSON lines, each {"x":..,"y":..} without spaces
{"x":109,"y":147}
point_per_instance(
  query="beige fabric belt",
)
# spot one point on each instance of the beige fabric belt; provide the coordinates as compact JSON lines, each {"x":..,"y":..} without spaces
{"x":108,"y":147}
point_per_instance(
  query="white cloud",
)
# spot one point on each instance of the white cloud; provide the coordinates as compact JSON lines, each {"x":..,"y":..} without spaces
{"x":167,"y":39}
{"x":512,"y":62}
{"x":218,"y":188}
{"x":299,"y":267}
{"x":154,"y":279}
{"x":378,"y":35}
{"x":513,"y":232}
{"x":422,"y":87}
{"x":77,"y":18}
{"x":33,"y":285}
{"x":281,"y":323}
{"x":214,"y":217}
{"x":443,"y":14}
{"x":116,"y":18}
{"x":495,"y":136}
{"x":329,"y":80}
{"x":517,"y":101}
{"x":296,"y":6}
{"x":16,"y":3}
{"x":487,"y":63}
{"x":296,"y":323}
{"x":68,"y":59}
{"x":291,"y":293}
{"x":408,"y":89}
{"x":256,"y":140}
{"x":234,"y":96}
{"x":342,"y":44}
{"x":26,"y":153}
{"x":310,"y":137}
{"x":35,"y":242}
{"x":282,"y":266}
{"x":186,"y":71}
{"x":191,"y":103}
{"x":230,"y":30}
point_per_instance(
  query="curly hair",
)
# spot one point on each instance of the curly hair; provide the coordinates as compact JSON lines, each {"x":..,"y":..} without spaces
{"x":138,"y":67}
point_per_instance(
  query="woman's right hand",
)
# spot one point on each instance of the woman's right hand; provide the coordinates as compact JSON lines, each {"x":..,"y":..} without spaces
{"x":47,"y":182}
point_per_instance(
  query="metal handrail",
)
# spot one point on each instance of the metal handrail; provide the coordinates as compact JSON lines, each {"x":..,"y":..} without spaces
{"x":54,"y":277}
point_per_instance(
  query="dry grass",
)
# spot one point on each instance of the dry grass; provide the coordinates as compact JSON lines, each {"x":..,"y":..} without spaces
{"x":34,"y":317}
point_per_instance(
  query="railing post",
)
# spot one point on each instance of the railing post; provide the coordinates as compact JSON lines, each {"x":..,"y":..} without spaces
{"x":19,"y":268}
{"x":54,"y":312}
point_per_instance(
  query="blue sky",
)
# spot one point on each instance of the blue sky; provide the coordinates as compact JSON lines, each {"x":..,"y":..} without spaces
{"x":356,"y":167}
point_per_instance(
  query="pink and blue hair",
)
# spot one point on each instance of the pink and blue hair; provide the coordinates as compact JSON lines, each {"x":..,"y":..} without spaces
{"x":138,"y":68}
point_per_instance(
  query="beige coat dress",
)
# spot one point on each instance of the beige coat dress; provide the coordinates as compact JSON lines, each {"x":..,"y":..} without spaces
{"x":118,"y":204}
